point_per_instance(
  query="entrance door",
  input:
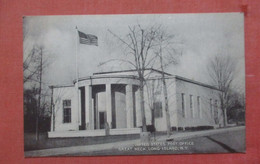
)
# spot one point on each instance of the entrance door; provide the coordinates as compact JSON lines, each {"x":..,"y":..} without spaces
{"x":102,"y":120}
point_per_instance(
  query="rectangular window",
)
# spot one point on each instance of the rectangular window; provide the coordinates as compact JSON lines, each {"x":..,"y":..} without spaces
{"x":66,"y":111}
{"x":191,"y":106}
{"x":211,"y":108}
{"x":183,"y":105}
{"x":216,"y":110}
{"x":199,"y":112}
{"x":157,"y":109}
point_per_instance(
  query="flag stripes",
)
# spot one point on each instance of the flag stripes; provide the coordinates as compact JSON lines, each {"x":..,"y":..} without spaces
{"x":88,"y":39}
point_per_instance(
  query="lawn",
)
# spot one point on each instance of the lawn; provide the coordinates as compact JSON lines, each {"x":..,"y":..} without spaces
{"x":44,"y":142}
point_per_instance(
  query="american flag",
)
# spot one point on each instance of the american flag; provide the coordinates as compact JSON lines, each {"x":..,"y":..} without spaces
{"x":88,"y":39}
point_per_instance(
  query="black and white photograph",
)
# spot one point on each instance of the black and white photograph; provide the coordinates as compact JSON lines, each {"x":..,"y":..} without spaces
{"x":134,"y":84}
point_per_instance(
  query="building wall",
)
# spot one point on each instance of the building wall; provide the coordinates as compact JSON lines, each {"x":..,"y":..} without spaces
{"x":60,"y":94}
{"x":193,"y":118}
{"x":138,"y":108}
{"x":171,"y":90}
{"x":155,"y":89}
{"x":175,"y":88}
{"x":120,"y":110}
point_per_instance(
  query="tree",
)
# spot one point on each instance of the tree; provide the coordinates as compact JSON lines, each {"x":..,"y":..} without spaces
{"x":167,"y":55}
{"x":139,"y":43}
{"x":222,"y":73}
{"x":153,"y":90}
{"x":33,"y":67}
{"x":35,"y":62}
{"x":29,"y":105}
{"x":148,"y":48}
{"x":236,"y":108}
{"x":29,"y":69}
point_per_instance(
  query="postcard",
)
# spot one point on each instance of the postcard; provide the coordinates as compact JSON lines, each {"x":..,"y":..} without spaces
{"x":134,"y":84}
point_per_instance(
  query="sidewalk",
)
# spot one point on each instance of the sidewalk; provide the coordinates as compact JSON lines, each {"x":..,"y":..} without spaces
{"x":129,"y":143}
{"x":187,"y":135}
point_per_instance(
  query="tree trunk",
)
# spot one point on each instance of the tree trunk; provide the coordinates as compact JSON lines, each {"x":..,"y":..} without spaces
{"x":168,"y":123}
{"x":152,"y":108}
{"x":142,"y":105}
{"x":152,"y":115}
{"x":39,"y":98}
{"x":166,"y":108}
{"x":52,"y":111}
{"x":225,"y":117}
{"x":223,"y":109}
{"x":37,"y":124}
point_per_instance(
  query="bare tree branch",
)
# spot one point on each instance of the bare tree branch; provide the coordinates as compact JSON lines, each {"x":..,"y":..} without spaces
{"x":221,"y":70}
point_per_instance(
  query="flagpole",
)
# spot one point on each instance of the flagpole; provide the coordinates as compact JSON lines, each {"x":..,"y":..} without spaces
{"x":87,"y":39}
{"x":77,"y":74}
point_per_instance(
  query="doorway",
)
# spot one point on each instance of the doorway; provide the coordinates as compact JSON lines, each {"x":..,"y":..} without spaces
{"x":102,"y":120}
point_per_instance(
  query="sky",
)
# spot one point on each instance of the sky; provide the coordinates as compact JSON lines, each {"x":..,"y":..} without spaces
{"x":201,"y":37}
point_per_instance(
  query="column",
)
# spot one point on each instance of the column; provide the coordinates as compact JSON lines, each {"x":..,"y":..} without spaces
{"x":96,"y":112}
{"x":109,"y":104}
{"x":52,"y":110}
{"x":129,"y":106}
{"x":79,"y":107}
{"x":138,"y":108}
{"x":52,"y":129}
{"x":88,"y":106}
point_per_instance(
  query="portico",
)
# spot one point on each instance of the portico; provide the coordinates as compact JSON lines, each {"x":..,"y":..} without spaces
{"x":105,"y":103}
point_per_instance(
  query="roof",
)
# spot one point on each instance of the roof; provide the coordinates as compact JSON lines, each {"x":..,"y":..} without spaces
{"x":99,"y":77}
{"x":60,"y":86}
{"x":196,"y":82}
{"x":105,"y":75}
{"x":132,"y":70}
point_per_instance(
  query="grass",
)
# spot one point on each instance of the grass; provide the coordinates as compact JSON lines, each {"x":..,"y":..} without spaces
{"x":44,"y":142}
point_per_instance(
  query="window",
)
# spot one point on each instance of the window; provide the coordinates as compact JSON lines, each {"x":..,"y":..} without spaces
{"x":198,"y":103}
{"x":191,"y":106}
{"x":211,"y":108}
{"x":66,"y":111}
{"x":183,"y":105}
{"x":216,"y":111}
{"x":157,"y":109}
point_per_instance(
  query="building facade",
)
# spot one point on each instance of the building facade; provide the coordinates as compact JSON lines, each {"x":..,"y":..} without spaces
{"x":108,"y":103}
